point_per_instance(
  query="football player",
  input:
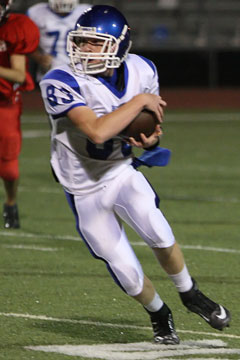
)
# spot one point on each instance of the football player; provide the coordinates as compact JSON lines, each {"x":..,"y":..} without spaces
{"x":19,"y":36}
{"x":54,"y":20}
{"x":89,"y":103}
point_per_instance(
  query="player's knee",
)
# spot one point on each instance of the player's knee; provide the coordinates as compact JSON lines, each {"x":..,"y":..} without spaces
{"x":9,"y":170}
{"x":160,"y":231}
{"x":133,"y":283}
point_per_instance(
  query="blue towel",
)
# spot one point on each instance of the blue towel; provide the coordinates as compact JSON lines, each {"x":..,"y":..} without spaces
{"x":156,"y":157}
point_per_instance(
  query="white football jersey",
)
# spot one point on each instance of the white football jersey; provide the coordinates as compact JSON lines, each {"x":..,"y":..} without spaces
{"x":54,"y":29}
{"x":80,"y":165}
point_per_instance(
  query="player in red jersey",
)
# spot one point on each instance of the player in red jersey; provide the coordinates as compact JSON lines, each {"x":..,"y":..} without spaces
{"x":19,"y":36}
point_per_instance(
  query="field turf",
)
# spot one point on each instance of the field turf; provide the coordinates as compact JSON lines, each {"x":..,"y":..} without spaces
{"x":52,"y":292}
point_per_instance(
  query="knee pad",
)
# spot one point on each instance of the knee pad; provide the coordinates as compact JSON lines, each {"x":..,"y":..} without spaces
{"x":134,"y":286}
{"x":130,"y":280}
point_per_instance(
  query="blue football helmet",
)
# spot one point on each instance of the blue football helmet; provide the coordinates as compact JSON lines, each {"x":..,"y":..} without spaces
{"x":104,"y":24}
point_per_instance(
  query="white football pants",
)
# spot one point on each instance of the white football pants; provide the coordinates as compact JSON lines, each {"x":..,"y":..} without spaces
{"x":128,"y":197}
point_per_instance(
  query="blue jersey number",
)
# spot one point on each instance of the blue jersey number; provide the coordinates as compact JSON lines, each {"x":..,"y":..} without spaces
{"x":50,"y":95}
{"x":100,"y":154}
{"x":55,"y":35}
{"x":52,"y":99}
{"x":103,"y":153}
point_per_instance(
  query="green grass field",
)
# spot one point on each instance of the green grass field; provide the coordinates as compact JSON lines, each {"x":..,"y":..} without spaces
{"x":52,"y":292}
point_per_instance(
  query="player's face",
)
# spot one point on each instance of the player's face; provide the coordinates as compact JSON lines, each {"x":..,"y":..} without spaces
{"x":89,"y":45}
{"x":94,"y":51}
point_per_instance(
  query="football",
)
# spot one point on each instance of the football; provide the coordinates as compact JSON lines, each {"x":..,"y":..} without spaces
{"x":145,"y":122}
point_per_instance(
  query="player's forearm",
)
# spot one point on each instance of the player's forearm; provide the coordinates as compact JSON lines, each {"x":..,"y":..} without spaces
{"x":13,"y":75}
{"x":113,"y":123}
{"x":110,"y":125}
{"x":103,"y":128}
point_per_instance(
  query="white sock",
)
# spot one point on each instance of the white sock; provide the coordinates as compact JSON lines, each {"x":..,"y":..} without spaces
{"x":155,"y":304}
{"x":182,"y":280}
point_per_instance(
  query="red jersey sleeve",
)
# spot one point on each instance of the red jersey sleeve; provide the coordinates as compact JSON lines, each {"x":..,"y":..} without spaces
{"x":21,"y":34}
{"x":18,"y":35}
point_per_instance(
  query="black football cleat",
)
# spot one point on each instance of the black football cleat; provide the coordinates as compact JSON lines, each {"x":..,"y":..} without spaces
{"x":11,"y":217}
{"x":214,"y":314}
{"x":163,"y":327}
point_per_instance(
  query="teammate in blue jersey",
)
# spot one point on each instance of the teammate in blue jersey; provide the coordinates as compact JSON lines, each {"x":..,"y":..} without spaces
{"x":54,"y":20}
{"x":89,"y":103}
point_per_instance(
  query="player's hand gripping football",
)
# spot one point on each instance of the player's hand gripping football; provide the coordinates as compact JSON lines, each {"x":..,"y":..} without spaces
{"x":147,"y":142}
{"x":156,"y":104}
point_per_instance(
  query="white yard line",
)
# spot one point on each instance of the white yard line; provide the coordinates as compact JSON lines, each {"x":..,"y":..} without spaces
{"x":58,"y":190}
{"x":205,"y":117}
{"x":141,"y":350}
{"x":196,"y":247}
{"x":32,"y":134}
{"x":40,"y":118}
{"x":136,"y":243}
{"x":43,"y":190}
{"x":29,"y":247}
{"x":120,"y":326}
{"x":233,"y":200}
{"x":39,"y":236}
{"x":210,"y":248}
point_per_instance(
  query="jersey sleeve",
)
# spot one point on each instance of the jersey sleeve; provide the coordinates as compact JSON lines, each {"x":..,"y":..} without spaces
{"x":60,"y":93}
{"x":152,"y":76}
{"x":23,"y":36}
{"x":37,"y":14}
{"x":155,"y":81}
